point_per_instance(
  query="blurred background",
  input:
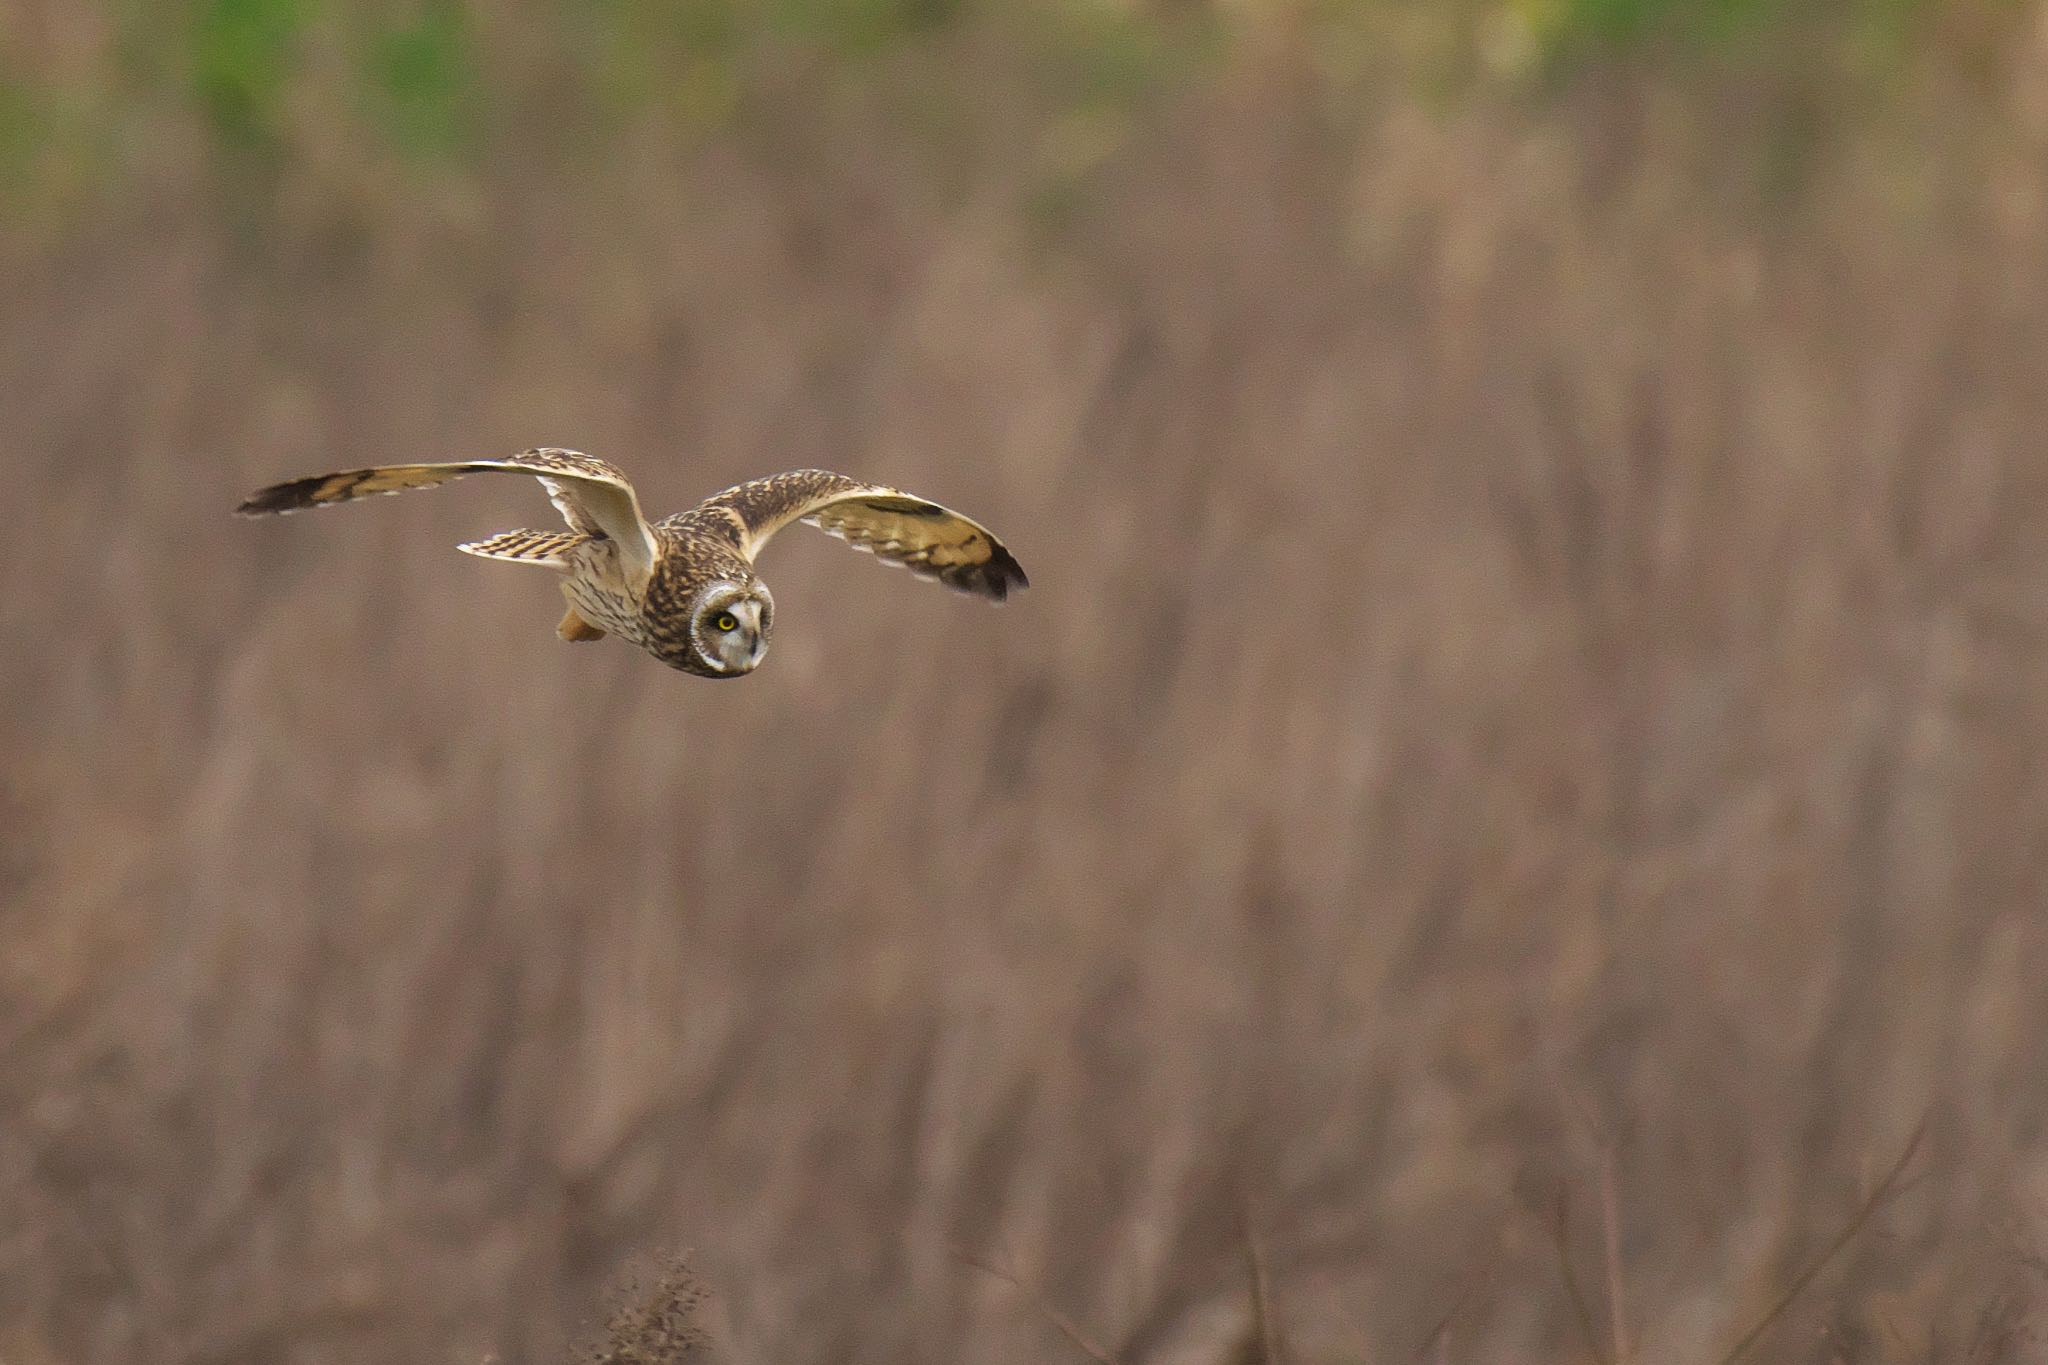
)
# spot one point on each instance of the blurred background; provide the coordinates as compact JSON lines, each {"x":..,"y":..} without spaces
{"x":1519,"y":786}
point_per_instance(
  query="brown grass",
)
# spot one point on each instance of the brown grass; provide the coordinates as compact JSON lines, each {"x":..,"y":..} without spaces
{"x":1533,"y":686}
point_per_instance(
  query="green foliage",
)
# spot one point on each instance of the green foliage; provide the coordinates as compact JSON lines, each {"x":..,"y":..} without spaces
{"x":1106,"y":54}
{"x":422,"y":79}
{"x":1616,"y":22}
{"x":244,"y":54}
{"x":1573,"y":30}
{"x":21,"y":137}
{"x":689,"y":62}
{"x":409,"y":76}
{"x":55,"y":142}
{"x":854,"y":28}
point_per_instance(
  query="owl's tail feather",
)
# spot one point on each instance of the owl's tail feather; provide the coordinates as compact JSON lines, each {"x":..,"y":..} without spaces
{"x":549,"y":548}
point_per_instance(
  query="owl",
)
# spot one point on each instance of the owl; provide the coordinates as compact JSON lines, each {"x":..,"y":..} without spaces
{"x":684,"y":588}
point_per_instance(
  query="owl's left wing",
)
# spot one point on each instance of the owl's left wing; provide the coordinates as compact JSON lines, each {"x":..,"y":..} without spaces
{"x":929,"y":540}
{"x":592,"y":496}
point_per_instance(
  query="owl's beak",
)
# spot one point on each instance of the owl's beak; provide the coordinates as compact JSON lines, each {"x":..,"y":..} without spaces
{"x":757,"y":635}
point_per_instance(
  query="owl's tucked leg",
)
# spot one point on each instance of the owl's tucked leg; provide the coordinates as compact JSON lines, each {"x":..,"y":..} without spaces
{"x":575,"y":629}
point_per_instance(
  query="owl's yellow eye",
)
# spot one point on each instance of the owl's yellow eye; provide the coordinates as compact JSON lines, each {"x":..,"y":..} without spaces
{"x":725,"y":621}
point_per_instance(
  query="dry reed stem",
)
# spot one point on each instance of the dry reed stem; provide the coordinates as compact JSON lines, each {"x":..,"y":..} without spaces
{"x":1582,"y":1311}
{"x":1610,"y":1236}
{"x":1262,"y":1294}
{"x":1043,"y":1306}
{"x":1879,"y":1196}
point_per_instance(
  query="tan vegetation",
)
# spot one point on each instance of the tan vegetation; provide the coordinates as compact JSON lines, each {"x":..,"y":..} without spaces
{"x":657,"y":1323}
{"x":1520,"y":774}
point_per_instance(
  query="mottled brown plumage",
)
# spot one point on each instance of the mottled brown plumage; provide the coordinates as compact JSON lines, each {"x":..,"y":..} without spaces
{"x":684,"y":588}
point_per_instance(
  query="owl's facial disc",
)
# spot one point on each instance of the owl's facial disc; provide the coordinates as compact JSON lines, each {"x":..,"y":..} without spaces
{"x":730,"y":627}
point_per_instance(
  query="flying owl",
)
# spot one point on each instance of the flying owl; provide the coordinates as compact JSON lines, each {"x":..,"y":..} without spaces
{"x":684,"y":588}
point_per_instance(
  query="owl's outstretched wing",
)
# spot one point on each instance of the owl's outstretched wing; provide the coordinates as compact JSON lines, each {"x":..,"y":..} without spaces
{"x":929,"y":540}
{"x":592,"y":496}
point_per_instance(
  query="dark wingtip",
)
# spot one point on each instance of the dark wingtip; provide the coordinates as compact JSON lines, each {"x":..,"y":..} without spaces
{"x":994,"y":579}
{"x":1002,"y":575}
{"x":279,"y":497}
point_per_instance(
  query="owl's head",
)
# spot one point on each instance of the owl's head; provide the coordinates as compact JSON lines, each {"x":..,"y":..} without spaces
{"x":729,"y":624}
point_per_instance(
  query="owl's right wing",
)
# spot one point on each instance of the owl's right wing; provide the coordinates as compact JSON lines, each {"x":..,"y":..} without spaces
{"x":929,"y":540}
{"x":592,"y":496}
